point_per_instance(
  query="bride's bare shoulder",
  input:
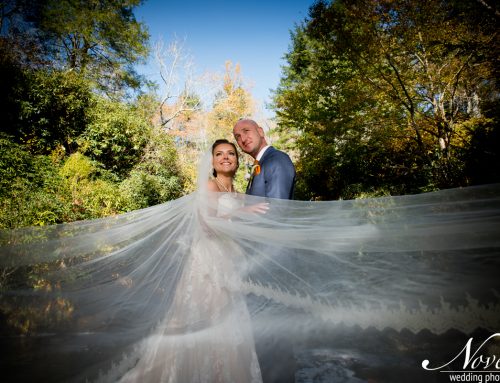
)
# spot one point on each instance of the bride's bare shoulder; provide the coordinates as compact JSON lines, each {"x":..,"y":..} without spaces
{"x":212,"y":186}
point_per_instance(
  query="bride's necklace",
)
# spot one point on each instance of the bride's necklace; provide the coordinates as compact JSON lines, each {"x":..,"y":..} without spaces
{"x":223,"y":187}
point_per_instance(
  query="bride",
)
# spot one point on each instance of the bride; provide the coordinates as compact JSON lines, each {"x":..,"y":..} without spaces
{"x":206,"y":335}
{"x":188,"y":290}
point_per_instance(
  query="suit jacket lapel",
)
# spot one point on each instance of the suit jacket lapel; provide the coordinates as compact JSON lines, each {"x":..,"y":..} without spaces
{"x":266,"y":153}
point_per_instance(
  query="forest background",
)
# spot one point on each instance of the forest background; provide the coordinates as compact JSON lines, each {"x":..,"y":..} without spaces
{"x":383,"y":97}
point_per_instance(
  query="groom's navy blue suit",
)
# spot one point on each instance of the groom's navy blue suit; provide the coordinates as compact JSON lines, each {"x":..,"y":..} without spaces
{"x":276,"y":178}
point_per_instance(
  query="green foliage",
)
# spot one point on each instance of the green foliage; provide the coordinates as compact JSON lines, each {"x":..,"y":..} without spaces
{"x":387,"y":96}
{"x":156,"y":178}
{"x":115,"y":137}
{"x":123,"y":164}
{"x":77,"y":168}
{"x":100,"y":198}
{"x":34,"y":190}
{"x":31,"y":191}
{"x":29,"y":206}
{"x":94,"y":197}
{"x":141,"y":190}
{"x":44,"y":109}
{"x":101,"y":40}
{"x":54,"y":113}
{"x":14,"y":162}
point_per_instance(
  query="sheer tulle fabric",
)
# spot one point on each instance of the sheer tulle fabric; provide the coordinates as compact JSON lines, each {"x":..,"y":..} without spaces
{"x":184,"y":291}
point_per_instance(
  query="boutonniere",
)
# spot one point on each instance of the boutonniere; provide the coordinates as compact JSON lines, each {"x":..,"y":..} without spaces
{"x":253,"y":170}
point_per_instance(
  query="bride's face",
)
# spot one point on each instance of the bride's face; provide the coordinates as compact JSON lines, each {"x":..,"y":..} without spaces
{"x":225,"y":159}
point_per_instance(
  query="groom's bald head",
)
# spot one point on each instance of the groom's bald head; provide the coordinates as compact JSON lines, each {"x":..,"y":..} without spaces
{"x":249,"y":136}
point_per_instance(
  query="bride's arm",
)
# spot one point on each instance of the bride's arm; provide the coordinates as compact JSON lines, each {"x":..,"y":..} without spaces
{"x":258,"y":208}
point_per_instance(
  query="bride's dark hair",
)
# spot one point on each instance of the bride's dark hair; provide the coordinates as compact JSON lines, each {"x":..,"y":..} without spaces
{"x":224,"y":141}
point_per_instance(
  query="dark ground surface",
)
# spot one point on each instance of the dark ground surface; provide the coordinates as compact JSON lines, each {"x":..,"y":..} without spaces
{"x":348,"y":355}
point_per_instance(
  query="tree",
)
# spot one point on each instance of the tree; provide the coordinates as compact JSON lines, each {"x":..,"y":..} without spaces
{"x":101,"y":40}
{"x":231,"y":103}
{"x":72,"y":147}
{"x":178,"y":83}
{"x":383,"y":95}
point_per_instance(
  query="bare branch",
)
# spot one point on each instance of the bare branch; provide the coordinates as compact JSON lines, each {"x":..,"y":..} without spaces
{"x":181,"y":90}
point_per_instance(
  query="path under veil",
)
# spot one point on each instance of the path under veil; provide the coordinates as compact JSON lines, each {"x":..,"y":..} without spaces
{"x":339,"y":291}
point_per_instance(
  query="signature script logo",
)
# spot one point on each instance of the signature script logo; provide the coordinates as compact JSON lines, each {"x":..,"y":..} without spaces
{"x":472,"y":361}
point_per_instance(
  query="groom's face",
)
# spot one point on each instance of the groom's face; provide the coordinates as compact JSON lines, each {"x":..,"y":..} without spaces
{"x":249,"y":136}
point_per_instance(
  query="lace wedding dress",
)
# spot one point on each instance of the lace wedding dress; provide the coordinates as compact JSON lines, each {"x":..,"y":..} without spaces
{"x":206,"y":335}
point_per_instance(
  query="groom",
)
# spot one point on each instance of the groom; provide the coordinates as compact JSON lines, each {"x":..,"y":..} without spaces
{"x":273,"y":174}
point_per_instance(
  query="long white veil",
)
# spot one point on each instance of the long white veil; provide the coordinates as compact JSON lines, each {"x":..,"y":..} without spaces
{"x":77,"y":299}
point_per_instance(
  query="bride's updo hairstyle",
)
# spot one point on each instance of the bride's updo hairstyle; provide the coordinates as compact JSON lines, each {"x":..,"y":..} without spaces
{"x":224,"y":141}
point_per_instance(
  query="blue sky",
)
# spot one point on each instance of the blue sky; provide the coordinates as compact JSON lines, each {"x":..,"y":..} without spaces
{"x":255,"y":34}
